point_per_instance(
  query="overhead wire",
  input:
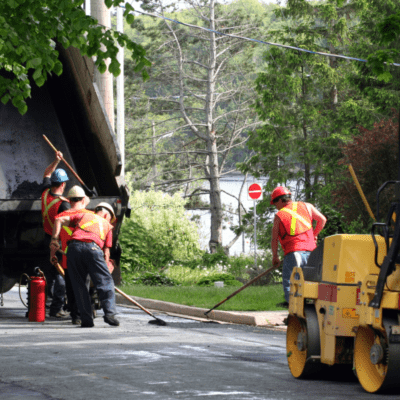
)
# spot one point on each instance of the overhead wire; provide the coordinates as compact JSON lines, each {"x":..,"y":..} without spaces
{"x":256,"y":40}
{"x":299,"y":49}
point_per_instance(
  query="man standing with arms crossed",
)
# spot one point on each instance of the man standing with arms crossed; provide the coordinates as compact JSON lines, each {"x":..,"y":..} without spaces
{"x":293,"y":227}
{"x":89,"y":253}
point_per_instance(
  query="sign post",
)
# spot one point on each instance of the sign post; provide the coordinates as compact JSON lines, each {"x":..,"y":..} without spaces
{"x":255,"y":193}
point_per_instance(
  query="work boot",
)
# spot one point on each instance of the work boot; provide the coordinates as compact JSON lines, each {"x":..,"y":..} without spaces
{"x":111,"y":320}
{"x":76,"y":321}
{"x":284,"y":304}
{"x":87,"y":324}
{"x":60,"y":314}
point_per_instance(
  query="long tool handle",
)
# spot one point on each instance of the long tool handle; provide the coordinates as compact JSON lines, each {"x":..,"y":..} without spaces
{"x":69,"y":167}
{"x":134,"y":302}
{"x":242,"y":288}
{"x":60,"y":269}
{"x":360,"y":191}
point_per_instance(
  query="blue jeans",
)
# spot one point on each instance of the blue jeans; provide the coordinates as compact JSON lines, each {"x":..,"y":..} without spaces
{"x":291,"y":260}
{"x":87,"y":258}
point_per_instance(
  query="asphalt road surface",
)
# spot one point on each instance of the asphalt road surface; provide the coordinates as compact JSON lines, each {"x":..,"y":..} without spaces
{"x":183,"y":360}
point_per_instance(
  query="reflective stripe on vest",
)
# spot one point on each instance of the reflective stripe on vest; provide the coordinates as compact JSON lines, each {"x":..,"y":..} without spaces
{"x":296,"y":218}
{"x":68,"y":230}
{"x":100,"y":223}
{"x":47,"y":208}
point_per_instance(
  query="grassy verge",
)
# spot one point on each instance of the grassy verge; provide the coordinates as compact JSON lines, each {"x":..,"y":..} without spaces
{"x":253,"y":298}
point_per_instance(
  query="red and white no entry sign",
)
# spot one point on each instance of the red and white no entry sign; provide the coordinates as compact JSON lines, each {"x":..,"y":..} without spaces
{"x":255,"y":191}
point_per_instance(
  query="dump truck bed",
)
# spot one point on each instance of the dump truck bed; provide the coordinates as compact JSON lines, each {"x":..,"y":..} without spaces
{"x":69,"y":111}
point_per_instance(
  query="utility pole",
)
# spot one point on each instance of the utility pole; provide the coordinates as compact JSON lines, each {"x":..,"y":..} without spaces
{"x":104,"y":81}
{"x":87,"y":7}
{"x":120,"y":94}
{"x":153,"y":150}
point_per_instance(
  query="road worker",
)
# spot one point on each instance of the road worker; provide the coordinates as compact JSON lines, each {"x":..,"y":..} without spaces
{"x":54,"y":183}
{"x":78,"y":201}
{"x":89,"y":253}
{"x":293,"y":226}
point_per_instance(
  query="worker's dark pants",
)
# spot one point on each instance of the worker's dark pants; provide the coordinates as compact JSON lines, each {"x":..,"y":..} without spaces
{"x":72,"y":304}
{"x":55,"y":282}
{"x":87,"y":258}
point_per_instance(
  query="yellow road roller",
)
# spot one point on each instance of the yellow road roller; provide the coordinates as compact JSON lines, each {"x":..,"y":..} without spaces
{"x":344,"y":306}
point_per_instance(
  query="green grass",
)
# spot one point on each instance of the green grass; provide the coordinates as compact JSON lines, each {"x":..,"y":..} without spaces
{"x":253,"y":298}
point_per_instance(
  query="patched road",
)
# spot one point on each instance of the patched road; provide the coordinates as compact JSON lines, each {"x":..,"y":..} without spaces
{"x":183,"y":360}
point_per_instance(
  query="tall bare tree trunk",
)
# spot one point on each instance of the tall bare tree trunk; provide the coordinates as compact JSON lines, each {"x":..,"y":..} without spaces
{"x":213,"y":167}
{"x":215,"y":197}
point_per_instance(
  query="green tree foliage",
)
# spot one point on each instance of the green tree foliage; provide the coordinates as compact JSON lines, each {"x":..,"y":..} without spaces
{"x":201,"y":86}
{"x":157,"y":233}
{"x":304,"y":99}
{"x":309,"y":106}
{"x":377,"y":39}
{"x":30,"y":31}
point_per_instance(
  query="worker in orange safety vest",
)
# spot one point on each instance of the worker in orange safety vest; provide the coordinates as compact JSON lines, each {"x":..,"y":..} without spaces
{"x":293,"y":227}
{"x":78,"y":201}
{"x":54,"y":183}
{"x":89,"y":253}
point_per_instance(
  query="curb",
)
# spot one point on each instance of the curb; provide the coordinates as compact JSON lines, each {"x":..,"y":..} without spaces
{"x":215,"y":315}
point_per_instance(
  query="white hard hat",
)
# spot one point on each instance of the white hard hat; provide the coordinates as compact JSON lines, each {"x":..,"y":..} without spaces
{"x":76,"y":191}
{"x":107,"y":206}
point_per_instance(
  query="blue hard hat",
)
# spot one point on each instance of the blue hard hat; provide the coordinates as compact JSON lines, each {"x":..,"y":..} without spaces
{"x":58,"y":176}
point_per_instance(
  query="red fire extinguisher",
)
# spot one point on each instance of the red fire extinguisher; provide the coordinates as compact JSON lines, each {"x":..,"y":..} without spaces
{"x":37,"y":298}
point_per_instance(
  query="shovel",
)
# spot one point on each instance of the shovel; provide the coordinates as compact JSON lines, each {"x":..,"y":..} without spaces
{"x":157,"y":321}
{"x":92,"y":192}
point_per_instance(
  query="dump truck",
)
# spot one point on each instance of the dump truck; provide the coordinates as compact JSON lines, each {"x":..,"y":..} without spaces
{"x":69,"y":111}
{"x":344,"y":306}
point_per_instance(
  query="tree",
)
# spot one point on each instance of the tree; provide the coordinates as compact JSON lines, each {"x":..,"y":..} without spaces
{"x":374,"y":152}
{"x":374,"y":157}
{"x":307,"y":105}
{"x":300,"y":99}
{"x":29,"y":31}
{"x":378,"y":41}
{"x":201,"y":81}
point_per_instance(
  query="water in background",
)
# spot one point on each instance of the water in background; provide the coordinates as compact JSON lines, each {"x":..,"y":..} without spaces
{"x":230,"y":184}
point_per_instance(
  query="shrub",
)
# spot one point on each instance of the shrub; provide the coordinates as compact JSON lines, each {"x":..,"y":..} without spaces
{"x":228,"y":279}
{"x":238,"y":265}
{"x":158,"y":232}
{"x":208,"y":260}
{"x":154,"y":279}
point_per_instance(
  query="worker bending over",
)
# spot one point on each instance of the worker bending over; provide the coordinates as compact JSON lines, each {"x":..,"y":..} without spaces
{"x":89,"y":253}
{"x":54,"y":183}
{"x":78,"y":201}
{"x":293,"y":226}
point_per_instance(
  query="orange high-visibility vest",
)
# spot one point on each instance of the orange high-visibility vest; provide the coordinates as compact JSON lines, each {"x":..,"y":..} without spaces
{"x":50,"y":206}
{"x":296,"y":232}
{"x":95,"y":224}
{"x":295,"y":218}
{"x":66,"y":231}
